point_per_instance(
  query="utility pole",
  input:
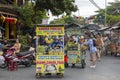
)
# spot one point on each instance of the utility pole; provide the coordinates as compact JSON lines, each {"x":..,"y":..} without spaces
{"x":105,"y":12}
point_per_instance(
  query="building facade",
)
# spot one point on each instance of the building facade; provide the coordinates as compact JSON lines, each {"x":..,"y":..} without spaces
{"x":9,"y":17}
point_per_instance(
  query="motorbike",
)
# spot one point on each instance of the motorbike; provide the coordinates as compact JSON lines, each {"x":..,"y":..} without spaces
{"x":23,"y":58}
{"x":2,"y":59}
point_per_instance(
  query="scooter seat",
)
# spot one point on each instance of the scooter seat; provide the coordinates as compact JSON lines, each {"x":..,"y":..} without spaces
{"x":24,"y":53}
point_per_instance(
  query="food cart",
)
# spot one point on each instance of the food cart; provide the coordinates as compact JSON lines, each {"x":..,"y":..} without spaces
{"x":73,"y":48}
{"x":50,"y":50}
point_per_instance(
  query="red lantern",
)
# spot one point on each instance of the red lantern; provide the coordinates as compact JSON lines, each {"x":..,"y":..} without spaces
{"x":12,"y":20}
{"x":77,"y":17}
{"x":7,"y":20}
{"x":62,"y":16}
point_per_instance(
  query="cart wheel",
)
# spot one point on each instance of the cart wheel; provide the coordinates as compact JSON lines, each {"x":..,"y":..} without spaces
{"x":73,"y":65}
{"x":38,"y":75}
{"x":66,"y":65}
{"x":29,"y":63}
{"x":48,"y":74}
{"x":83,"y":64}
{"x":112,"y":54}
{"x":60,"y":75}
{"x":115,"y":55}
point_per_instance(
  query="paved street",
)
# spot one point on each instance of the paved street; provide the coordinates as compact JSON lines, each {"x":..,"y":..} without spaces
{"x":107,"y":69}
{"x":54,"y":28}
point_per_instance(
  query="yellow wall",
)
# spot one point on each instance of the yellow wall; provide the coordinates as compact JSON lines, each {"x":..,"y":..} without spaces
{"x":15,"y":2}
{"x":7,"y":30}
{"x":13,"y":30}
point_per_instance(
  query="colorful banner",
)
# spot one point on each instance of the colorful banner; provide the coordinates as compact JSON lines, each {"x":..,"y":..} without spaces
{"x":73,"y":56}
{"x":50,"y":63}
{"x":49,"y":30}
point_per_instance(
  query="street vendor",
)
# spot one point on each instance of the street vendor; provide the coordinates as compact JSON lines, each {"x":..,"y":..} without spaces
{"x":100,"y":45}
{"x":56,"y":47}
{"x":56,"y":44}
{"x":92,"y":50}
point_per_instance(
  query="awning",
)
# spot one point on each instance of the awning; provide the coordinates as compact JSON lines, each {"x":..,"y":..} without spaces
{"x":104,"y":28}
{"x":92,"y":27}
{"x":115,"y":28}
{"x":10,"y":14}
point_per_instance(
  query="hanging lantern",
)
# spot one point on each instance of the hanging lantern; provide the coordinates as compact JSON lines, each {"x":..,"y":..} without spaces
{"x":67,"y":16}
{"x":63,"y":16}
{"x":7,"y":20}
{"x":76,"y":17}
{"x":95,"y":17}
{"x":15,"y":21}
{"x":82,"y":17}
{"x":12,"y":20}
{"x":3,"y":18}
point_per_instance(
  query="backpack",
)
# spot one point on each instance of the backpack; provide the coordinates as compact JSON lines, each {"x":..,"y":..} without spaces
{"x":0,"y":46}
{"x":95,"y":43}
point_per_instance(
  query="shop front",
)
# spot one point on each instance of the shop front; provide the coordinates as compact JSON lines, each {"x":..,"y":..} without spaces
{"x":9,"y":24}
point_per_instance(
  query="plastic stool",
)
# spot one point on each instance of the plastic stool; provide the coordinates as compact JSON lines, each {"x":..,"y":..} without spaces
{"x":13,"y":65}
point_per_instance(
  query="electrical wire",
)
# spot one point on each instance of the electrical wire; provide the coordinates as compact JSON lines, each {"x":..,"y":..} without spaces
{"x":93,"y":2}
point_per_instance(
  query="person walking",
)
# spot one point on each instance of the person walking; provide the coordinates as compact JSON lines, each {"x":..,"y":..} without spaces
{"x":92,"y":50}
{"x":100,"y":45}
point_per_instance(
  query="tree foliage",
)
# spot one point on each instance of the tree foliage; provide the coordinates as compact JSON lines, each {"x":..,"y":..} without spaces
{"x":68,"y":19}
{"x":112,"y":12}
{"x":26,"y":13}
{"x":114,"y":8}
{"x":29,"y":17}
{"x":57,"y":7}
{"x":31,"y":14}
{"x":112,"y":19}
